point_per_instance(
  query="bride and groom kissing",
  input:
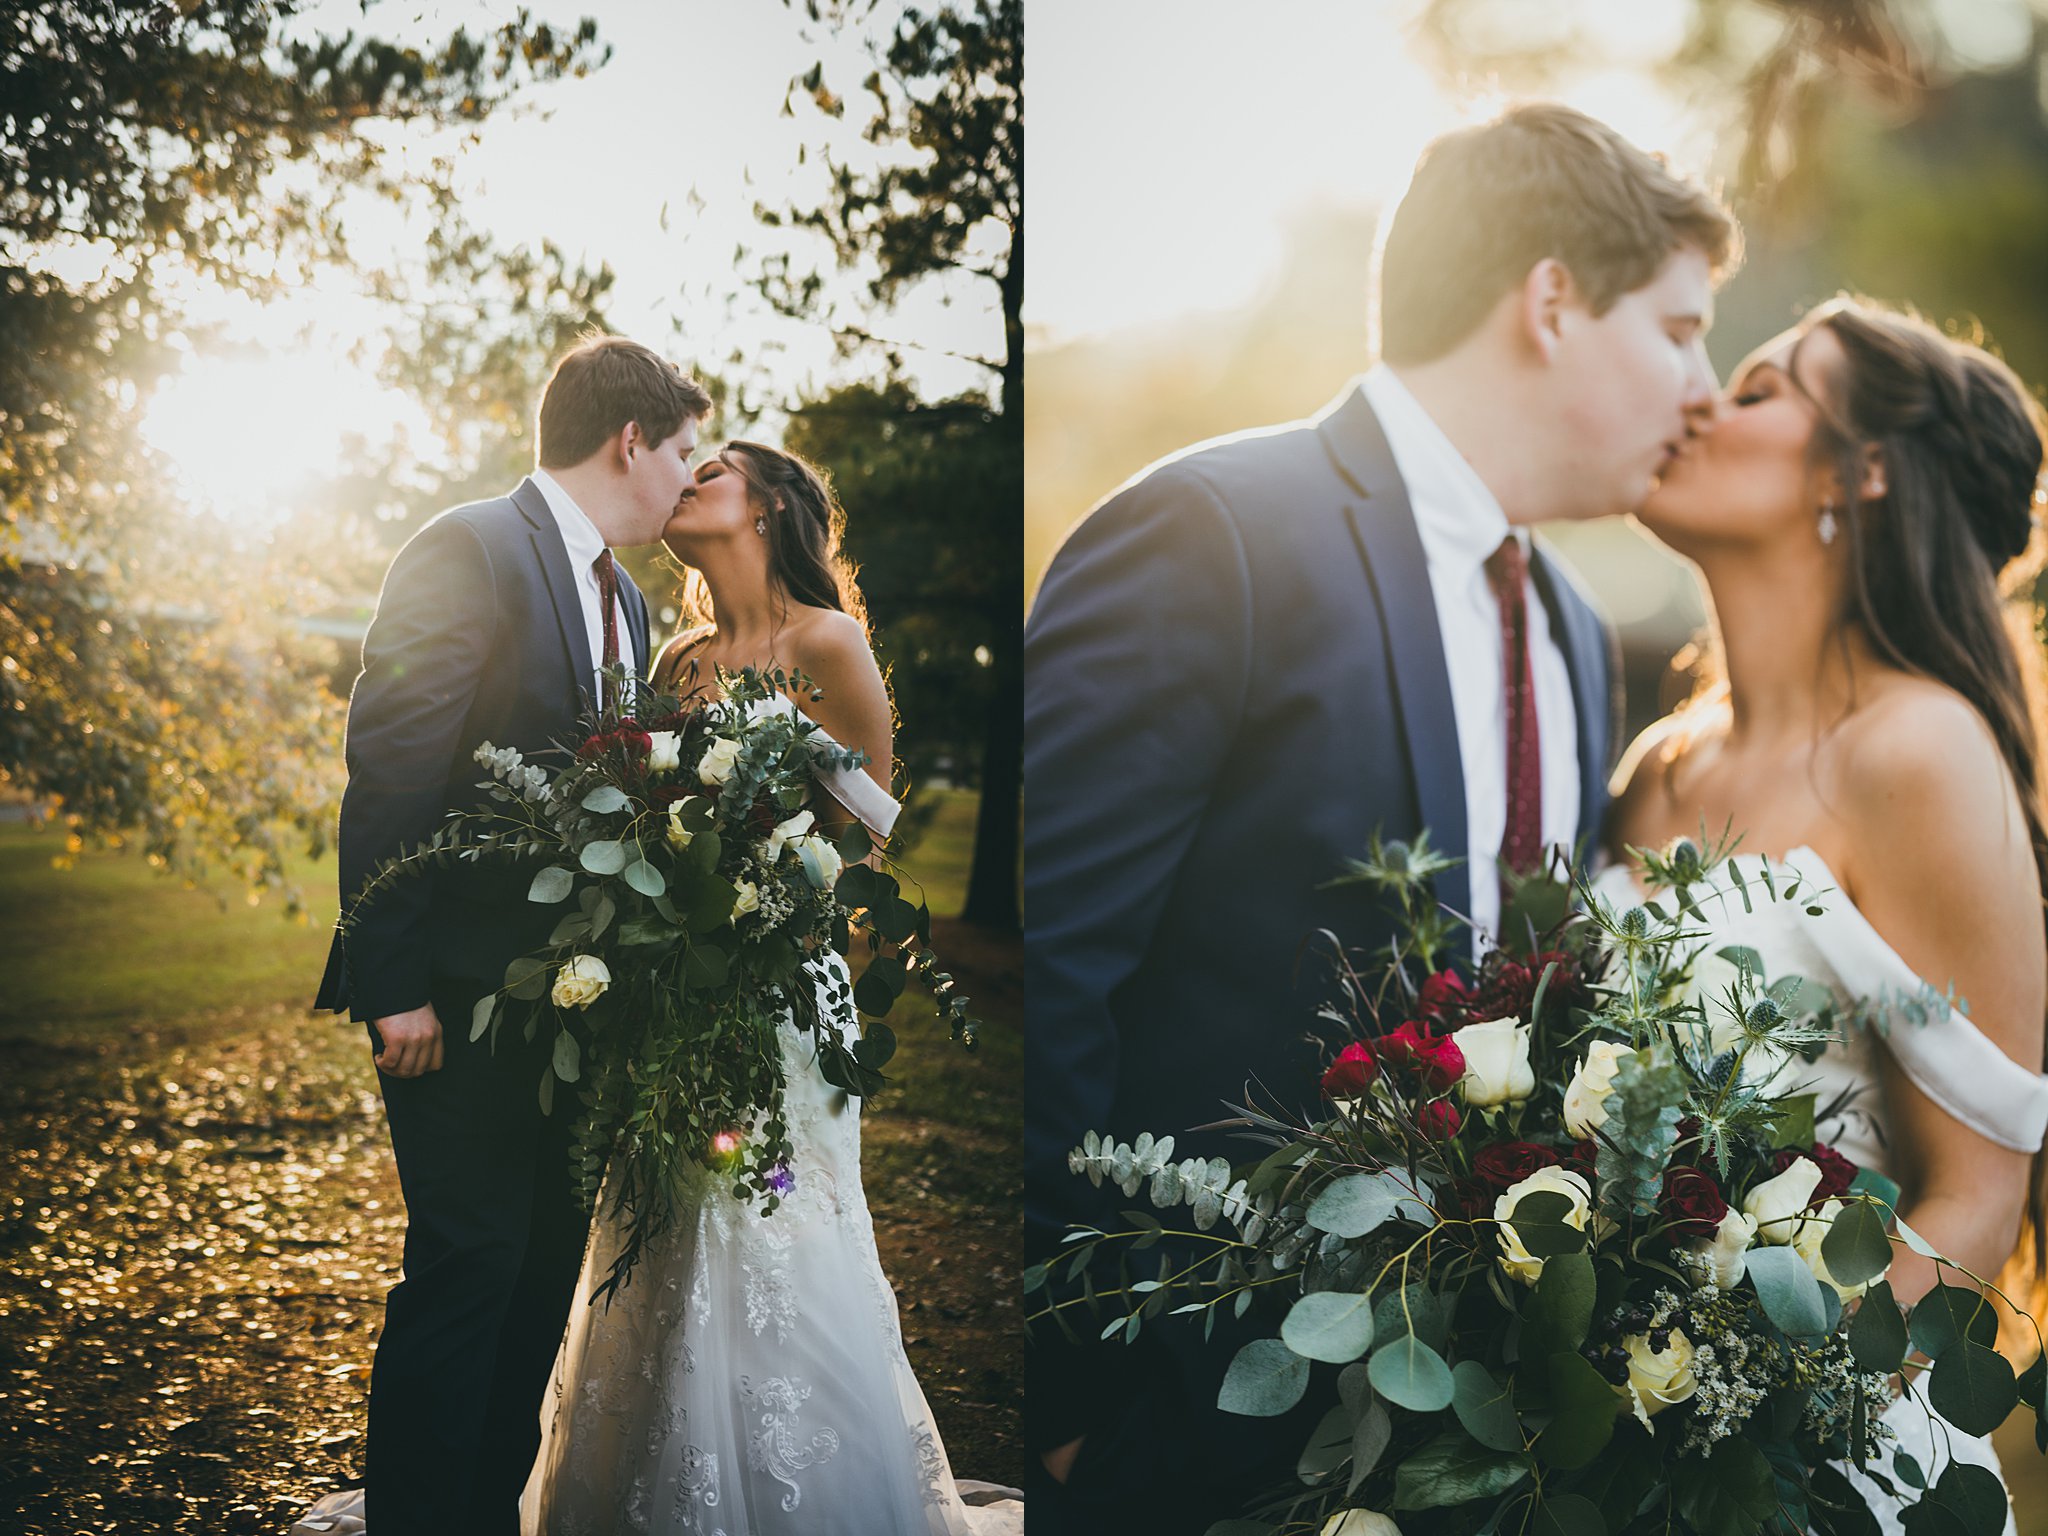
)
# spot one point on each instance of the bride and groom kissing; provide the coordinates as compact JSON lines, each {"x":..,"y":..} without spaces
{"x":1264,"y":650}
{"x":751,"y":1375}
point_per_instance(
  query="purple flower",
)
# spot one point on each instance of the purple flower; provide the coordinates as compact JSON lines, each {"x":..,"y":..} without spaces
{"x":780,"y":1179}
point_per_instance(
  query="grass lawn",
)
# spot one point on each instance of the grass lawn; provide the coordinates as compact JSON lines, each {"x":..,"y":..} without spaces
{"x":199,"y":1217}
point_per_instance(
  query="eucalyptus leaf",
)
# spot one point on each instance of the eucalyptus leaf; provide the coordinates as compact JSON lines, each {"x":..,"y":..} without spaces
{"x":1856,"y":1248}
{"x":1560,"y":1312}
{"x":705,"y":965}
{"x":605,"y":799}
{"x":1328,"y":1447}
{"x":855,"y":844}
{"x":1369,"y":1442}
{"x":526,"y":977}
{"x":1264,"y":1380}
{"x":551,"y":885}
{"x":1568,"y":1514}
{"x":1408,"y":1373}
{"x":568,"y":1057}
{"x":1329,"y":1325}
{"x":1951,"y":1312}
{"x":480,"y":1016}
{"x":645,"y":878}
{"x":1454,"y":1469}
{"x":1583,"y":1406}
{"x":1539,"y":1221}
{"x":1789,"y":1292}
{"x":1358,"y":1203}
{"x":603,"y":857}
{"x":1877,"y":1333}
{"x":1728,"y":1492}
{"x":1972,"y":1386}
{"x":1485,"y":1405}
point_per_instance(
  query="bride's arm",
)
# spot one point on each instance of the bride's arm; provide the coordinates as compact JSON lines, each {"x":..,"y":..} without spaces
{"x":1943,"y":869}
{"x":855,"y":707}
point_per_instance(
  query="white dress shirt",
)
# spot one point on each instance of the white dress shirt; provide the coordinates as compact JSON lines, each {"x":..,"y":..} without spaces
{"x":584,"y":543}
{"x":1461,"y":524}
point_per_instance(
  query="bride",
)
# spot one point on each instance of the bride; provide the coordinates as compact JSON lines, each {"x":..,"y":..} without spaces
{"x":1863,"y":485}
{"x":750,"y":1378}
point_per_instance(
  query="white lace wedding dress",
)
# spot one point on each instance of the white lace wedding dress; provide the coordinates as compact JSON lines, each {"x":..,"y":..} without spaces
{"x":750,"y":1379}
{"x":1944,"y":1054}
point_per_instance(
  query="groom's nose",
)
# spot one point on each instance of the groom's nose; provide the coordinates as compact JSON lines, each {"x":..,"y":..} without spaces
{"x":1702,"y":391}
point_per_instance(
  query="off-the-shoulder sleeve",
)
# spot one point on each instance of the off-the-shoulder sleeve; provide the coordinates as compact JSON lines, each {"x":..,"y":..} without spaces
{"x":1951,"y":1060}
{"x":876,"y":808}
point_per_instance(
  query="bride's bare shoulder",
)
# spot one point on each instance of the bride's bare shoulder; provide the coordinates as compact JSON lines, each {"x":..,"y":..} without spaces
{"x":1915,"y":754}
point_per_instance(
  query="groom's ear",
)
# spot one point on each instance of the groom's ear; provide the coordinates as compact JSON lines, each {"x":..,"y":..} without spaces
{"x":1547,"y":292}
{"x":627,"y":444}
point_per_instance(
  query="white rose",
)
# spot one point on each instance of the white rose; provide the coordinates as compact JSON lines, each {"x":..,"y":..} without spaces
{"x":1658,"y":1378}
{"x":1806,"y":1243}
{"x":821,"y":860}
{"x":788,"y":832}
{"x":664,"y":752}
{"x":678,"y":835}
{"x":1516,"y":1259}
{"x":716,"y":765}
{"x":581,"y":982}
{"x":1585,"y":1098}
{"x":1723,"y":1258}
{"x":1778,"y":1204}
{"x":748,"y":899}
{"x":1497,"y":1069}
{"x":1360,"y":1522}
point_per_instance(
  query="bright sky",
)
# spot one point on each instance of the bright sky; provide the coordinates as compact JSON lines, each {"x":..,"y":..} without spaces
{"x":1173,"y":141}
{"x":683,"y":125}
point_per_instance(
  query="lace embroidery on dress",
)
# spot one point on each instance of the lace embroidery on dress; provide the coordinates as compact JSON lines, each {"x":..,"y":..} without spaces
{"x":696,"y":1489}
{"x":777,"y":1450}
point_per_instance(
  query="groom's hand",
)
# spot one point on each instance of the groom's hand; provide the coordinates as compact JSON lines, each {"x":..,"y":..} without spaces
{"x":412,"y":1043}
{"x":1059,"y":1461}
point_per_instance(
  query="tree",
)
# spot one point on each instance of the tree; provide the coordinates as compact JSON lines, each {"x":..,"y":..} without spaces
{"x":946,"y":203}
{"x":149,"y":680}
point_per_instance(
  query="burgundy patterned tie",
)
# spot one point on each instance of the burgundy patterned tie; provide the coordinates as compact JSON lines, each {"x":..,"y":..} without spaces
{"x":1521,"y":843}
{"x":608,"y":599}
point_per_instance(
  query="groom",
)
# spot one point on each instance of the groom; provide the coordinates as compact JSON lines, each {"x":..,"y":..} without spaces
{"x":494,"y":624}
{"x":1266,"y":648}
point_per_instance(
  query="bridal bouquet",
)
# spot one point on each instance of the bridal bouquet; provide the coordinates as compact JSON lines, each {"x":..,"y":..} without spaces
{"x":693,"y":886}
{"x":1572,"y":1248}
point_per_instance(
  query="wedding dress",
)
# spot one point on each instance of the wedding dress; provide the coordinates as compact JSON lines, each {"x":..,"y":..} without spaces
{"x":750,"y":1378}
{"x":1944,"y":1054}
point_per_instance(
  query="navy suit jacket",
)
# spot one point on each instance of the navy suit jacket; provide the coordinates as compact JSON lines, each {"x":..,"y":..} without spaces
{"x":1234,"y":675}
{"x":479,"y":636}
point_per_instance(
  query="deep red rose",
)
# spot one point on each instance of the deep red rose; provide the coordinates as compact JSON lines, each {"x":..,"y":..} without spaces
{"x":593,"y":746}
{"x":764,"y":816}
{"x":1511,"y":1162}
{"x":1837,"y":1173}
{"x":1439,"y":1119}
{"x":1475,"y":1198}
{"x":636,"y":741}
{"x":1434,"y":1059}
{"x":1583,"y":1157}
{"x":1351,"y":1073}
{"x":662,"y":796}
{"x":1692,"y":1202}
{"x":1441,"y":994}
{"x":1510,"y":991}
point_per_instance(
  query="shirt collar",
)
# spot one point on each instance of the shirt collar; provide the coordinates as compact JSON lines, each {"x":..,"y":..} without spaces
{"x":579,"y":534}
{"x":1459,"y":519}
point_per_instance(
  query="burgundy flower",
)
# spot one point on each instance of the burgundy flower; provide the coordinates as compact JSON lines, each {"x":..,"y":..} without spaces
{"x":1351,"y":1073}
{"x":1511,"y":990}
{"x":1434,"y":1059}
{"x":636,"y":741}
{"x":1692,"y":1202}
{"x":1837,"y":1173}
{"x":662,"y":796}
{"x":1440,"y":995}
{"x":1439,"y":1119}
{"x":1475,"y":1198}
{"x":1583,"y":1157}
{"x":593,"y":746}
{"x":1511,"y":1162}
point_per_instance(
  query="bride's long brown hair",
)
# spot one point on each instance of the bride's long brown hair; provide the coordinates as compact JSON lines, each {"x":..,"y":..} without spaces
{"x":1942,"y":565}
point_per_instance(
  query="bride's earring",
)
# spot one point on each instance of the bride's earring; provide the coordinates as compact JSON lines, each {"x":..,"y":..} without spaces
{"x":1828,"y":526}
{"x":761,"y":526}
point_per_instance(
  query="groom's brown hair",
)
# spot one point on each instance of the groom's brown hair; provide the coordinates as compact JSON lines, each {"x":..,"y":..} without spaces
{"x":1540,"y":181}
{"x":602,"y":383}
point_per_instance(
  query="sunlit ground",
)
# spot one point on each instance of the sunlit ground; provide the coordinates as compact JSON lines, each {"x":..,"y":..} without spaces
{"x":200,"y":1219}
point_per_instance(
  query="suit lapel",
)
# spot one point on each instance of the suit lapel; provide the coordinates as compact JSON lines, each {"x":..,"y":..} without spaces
{"x":1383,"y":525}
{"x":561,"y":584}
{"x":1584,"y":644}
